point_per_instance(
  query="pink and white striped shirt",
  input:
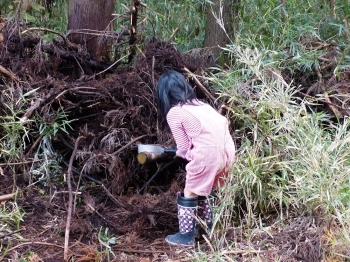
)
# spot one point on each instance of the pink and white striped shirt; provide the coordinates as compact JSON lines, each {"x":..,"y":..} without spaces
{"x":203,"y":138}
{"x":183,"y":126}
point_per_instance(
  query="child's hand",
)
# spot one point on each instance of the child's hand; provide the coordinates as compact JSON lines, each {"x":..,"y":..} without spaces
{"x":178,"y":153}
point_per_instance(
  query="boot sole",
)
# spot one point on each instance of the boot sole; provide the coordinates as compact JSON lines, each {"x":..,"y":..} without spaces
{"x":178,"y":244}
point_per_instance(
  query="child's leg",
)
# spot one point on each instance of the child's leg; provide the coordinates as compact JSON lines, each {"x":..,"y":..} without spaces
{"x":205,"y":214}
{"x":187,"y":211}
{"x":189,"y":194}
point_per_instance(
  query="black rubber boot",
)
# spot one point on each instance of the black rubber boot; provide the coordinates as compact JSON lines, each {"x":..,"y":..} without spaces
{"x":205,"y":215}
{"x":187,"y":211}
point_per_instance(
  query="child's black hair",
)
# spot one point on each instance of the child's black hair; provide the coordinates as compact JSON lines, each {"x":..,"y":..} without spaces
{"x":172,"y":89}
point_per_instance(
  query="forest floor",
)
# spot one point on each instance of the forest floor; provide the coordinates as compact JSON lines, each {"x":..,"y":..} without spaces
{"x":110,"y":111}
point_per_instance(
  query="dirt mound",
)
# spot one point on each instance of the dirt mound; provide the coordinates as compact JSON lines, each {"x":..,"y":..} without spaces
{"x":103,"y":112}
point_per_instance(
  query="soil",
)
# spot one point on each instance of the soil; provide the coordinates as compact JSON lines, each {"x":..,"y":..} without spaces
{"x":111,"y":110}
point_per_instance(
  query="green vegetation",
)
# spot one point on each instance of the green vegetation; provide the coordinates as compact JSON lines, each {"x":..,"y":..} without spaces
{"x":159,"y":19}
{"x":163,"y":20}
{"x":290,"y":161}
{"x":10,"y":220}
{"x":14,"y":132}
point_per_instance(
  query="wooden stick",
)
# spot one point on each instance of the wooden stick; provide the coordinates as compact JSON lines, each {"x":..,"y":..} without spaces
{"x":330,"y":105}
{"x":200,"y":85}
{"x":39,"y":102}
{"x":65,"y":39}
{"x":70,"y":200}
{"x":103,"y":218}
{"x":283,"y":11}
{"x":8,"y":73}
{"x":173,"y":34}
{"x":22,"y":163}
{"x":10,"y":233}
{"x":156,"y":173}
{"x":30,"y":111}
{"x":145,"y":157}
{"x":346,"y":32}
{"x":144,"y":251}
{"x":37,"y":141}
{"x":113,"y":198}
{"x":33,"y":243}
{"x":7,"y":197}
{"x":109,"y":194}
{"x":130,"y":143}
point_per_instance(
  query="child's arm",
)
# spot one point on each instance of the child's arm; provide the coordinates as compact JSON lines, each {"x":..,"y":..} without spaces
{"x":174,"y":119}
{"x":183,"y":126}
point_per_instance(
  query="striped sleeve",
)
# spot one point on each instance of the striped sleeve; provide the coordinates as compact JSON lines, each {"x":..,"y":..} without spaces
{"x":183,"y":126}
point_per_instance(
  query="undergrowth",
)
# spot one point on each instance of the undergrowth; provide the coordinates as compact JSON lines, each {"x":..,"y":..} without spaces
{"x":291,"y":162}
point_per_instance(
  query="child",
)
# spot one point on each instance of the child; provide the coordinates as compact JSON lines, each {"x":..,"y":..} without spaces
{"x":202,"y":137}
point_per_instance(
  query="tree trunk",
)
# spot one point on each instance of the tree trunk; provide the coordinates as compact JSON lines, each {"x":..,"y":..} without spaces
{"x":87,"y":22}
{"x":220,"y":26}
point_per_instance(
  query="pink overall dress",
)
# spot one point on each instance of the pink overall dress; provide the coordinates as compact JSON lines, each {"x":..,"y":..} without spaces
{"x":210,"y":152}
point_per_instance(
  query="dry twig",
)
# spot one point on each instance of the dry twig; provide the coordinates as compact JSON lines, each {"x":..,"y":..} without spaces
{"x":70,"y":201}
{"x":11,"y":233}
{"x":33,"y":243}
{"x":7,"y":197}
{"x":8,"y":74}
{"x":205,"y":91}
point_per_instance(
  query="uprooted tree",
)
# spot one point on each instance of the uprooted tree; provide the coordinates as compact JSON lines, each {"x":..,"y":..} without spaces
{"x":79,"y":118}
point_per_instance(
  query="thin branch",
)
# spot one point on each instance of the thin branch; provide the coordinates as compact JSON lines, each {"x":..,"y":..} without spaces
{"x":7,"y":197}
{"x":144,"y":251}
{"x":11,"y":233}
{"x":346,"y":31}
{"x":283,"y":11}
{"x":173,"y":34}
{"x":37,"y":141}
{"x":156,"y":173}
{"x":101,"y":216}
{"x":116,"y":62}
{"x":200,"y":85}
{"x":33,"y":243}
{"x":112,"y":197}
{"x":70,"y":200}
{"x":21,"y":163}
{"x":130,"y":143}
{"x":331,"y":106}
{"x":153,"y":62}
{"x":66,"y":41}
{"x":109,"y":194}
{"x":38,"y":103}
{"x":8,"y":73}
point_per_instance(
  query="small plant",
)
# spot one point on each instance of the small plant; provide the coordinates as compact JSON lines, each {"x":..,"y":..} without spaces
{"x":11,"y":215}
{"x":51,"y":124}
{"x":14,"y":132}
{"x":106,"y":240}
{"x":48,"y":128}
{"x":12,"y":141}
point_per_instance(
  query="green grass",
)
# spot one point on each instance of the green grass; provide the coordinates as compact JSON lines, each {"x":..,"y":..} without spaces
{"x":11,"y":216}
{"x":291,"y":161}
